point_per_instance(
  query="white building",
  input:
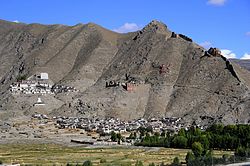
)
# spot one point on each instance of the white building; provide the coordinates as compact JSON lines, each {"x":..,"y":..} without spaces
{"x":44,"y":76}
{"x":40,"y":76}
{"x":38,"y":83}
{"x":39,"y":102}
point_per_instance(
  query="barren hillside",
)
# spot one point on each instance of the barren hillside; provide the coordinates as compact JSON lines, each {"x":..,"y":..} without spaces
{"x":153,"y":72}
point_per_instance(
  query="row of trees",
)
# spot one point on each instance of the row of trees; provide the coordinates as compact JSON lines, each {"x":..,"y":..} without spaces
{"x":215,"y":137}
{"x":202,"y":143}
{"x":116,"y":137}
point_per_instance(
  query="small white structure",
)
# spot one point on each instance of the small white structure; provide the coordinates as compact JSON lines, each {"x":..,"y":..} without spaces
{"x":44,"y":76}
{"x":39,"y":102}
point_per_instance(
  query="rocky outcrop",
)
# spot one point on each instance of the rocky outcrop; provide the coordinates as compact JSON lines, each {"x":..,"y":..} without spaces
{"x":214,"y":51}
{"x":174,"y":35}
{"x":185,"y":37}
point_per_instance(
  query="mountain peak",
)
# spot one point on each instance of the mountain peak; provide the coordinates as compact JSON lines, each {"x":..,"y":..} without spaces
{"x":157,"y":22}
{"x":156,"y":25}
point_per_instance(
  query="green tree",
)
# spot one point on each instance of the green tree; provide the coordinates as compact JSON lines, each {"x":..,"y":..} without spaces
{"x":176,"y":162}
{"x":197,"y":132}
{"x":197,"y":149}
{"x":151,"y":164}
{"x":216,"y":128}
{"x":119,"y":137}
{"x":207,"y":157}
{"x":241,"y":151}
{"x":149,"y":129}
{"x":21,"y":77}
{"x":157,"y":134}
{"x":113,"y":136}
{"x":87,"y":163}
{"x":204,"y":141}
{"x":68,"y":164}
{"x":225,"y":157}
{"x":180,"y":142}
{"x":163,"y":134}
{"x":138,"y":163}
{"x":189,"y":157}
{"x":103,"y":161}
{"x":182,"y":132}
{"x":132,"y":135}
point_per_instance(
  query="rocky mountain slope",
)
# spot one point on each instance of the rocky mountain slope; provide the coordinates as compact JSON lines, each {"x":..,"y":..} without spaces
{"x":160,"y":73}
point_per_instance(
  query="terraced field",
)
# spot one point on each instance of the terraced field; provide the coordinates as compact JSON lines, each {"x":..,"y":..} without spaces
{"x":51,"y":154}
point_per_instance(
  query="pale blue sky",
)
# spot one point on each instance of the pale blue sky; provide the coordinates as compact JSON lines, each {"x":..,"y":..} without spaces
{"x":221,"y":23}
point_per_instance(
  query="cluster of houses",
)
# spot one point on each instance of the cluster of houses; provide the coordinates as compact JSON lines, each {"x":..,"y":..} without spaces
{"x":108,"y":125}
{"x":63,"y":89}
{"x":99,"y":131}
{"x":40,"y":116}
{"x":36,"y":84}
{"x":39,"y":84}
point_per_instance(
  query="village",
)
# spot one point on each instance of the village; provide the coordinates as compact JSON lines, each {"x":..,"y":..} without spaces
{"x":99,"y":131}
{"x":108,"y":125}
{"x":89,"y":131}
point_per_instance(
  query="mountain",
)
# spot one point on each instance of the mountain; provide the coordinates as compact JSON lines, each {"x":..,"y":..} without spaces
{"x":242,"y":62}
{"x":160,"y":73}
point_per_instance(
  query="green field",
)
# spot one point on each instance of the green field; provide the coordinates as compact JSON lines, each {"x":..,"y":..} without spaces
{"x":51,"y":154}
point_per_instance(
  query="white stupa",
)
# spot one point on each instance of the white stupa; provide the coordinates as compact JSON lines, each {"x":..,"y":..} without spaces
{"x":39,"y":102}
